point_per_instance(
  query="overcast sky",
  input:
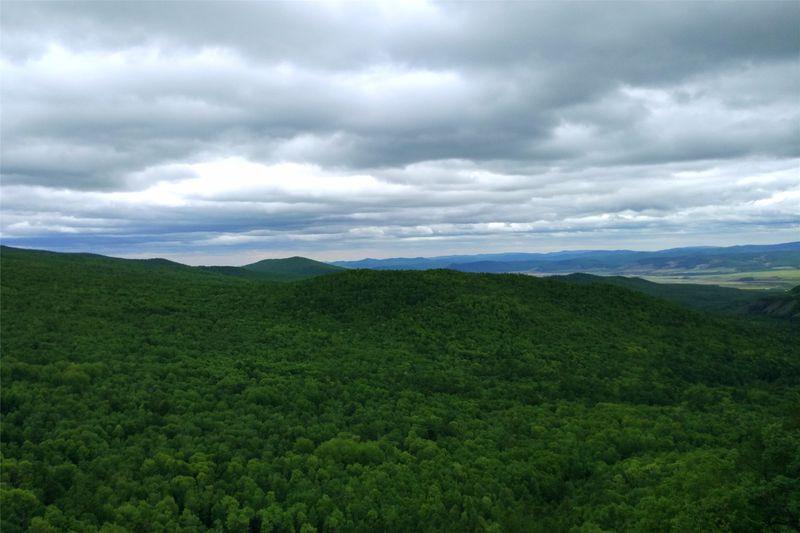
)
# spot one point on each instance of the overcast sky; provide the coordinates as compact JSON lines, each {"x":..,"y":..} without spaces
{"x":229,"y":132}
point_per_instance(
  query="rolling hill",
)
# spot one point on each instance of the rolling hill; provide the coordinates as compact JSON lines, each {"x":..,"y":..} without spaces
{"x":702,"y":297}
{"x":623,"y":262}
{"x":292,"y":268}
{"x":786,"y":305}
{"x":280,"y":270}
{"x":143,"y":396}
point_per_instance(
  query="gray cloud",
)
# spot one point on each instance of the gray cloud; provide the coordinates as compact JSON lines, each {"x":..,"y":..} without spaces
{"x":258,"y":126}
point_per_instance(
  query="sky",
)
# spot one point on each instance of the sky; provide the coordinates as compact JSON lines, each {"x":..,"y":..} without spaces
{"x":224,"y":133}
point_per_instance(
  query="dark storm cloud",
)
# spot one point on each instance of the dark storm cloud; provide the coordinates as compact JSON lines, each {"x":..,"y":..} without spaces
{"x":403,"y":121}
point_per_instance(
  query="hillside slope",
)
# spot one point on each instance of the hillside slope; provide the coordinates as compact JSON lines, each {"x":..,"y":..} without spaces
{"x":278,"y":270}
{"x":292,"y":268}
{"x":703,"y":297}
{"x":785,"y":305}
{"x":155,"y":398}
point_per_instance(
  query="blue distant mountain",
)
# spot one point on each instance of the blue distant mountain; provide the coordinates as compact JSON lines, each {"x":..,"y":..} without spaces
{"x":734,"y":258}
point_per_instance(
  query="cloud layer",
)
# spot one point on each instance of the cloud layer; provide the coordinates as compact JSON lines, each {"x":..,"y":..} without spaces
{"x":236,"y":131}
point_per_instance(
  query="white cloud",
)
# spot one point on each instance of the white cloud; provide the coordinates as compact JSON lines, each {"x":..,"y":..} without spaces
{"x":279,"y":127}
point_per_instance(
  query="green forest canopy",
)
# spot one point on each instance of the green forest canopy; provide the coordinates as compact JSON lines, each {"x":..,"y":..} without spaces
{"x":292,"y":268}
{"x":141,"y":396}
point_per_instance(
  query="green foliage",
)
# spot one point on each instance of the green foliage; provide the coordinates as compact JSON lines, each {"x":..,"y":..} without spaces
{"x":703,"y":297}
{"x":774,"y":303}
{"x":292,"y":268}
{"x":142,"y":396}
{"x":785,"y":305}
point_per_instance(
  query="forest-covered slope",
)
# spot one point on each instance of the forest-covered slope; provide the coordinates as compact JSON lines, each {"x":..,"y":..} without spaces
{"x":141,"y":397}
{"x":282,"y":270}
{"x":292,"y":268}
{"x":785,"y":305}
{"x":704,"y":297}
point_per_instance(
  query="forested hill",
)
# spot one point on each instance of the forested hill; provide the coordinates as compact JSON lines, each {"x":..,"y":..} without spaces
{"x":293,"y":268}
{"x":142,"y":397}
{"x":775,"y":303}
{"x":786,"y":305}
{"x":283,"y":270}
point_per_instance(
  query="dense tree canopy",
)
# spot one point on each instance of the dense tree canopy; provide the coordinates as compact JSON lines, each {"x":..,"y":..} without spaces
{"x":145,"y":397}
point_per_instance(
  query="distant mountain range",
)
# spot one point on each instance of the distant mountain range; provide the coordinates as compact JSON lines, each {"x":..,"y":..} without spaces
{"x":620,"y":262}
{"x":705,"y":297}
{"x":283,"y":270}
{"x":286,"y":269}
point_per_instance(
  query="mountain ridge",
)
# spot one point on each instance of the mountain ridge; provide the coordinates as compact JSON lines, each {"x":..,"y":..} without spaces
{"x":422,"y":262}
{"x":279,"y":270}
{"x":293,"y":268}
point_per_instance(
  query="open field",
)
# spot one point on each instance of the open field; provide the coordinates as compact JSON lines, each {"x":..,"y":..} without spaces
{"x":761,"y":279}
